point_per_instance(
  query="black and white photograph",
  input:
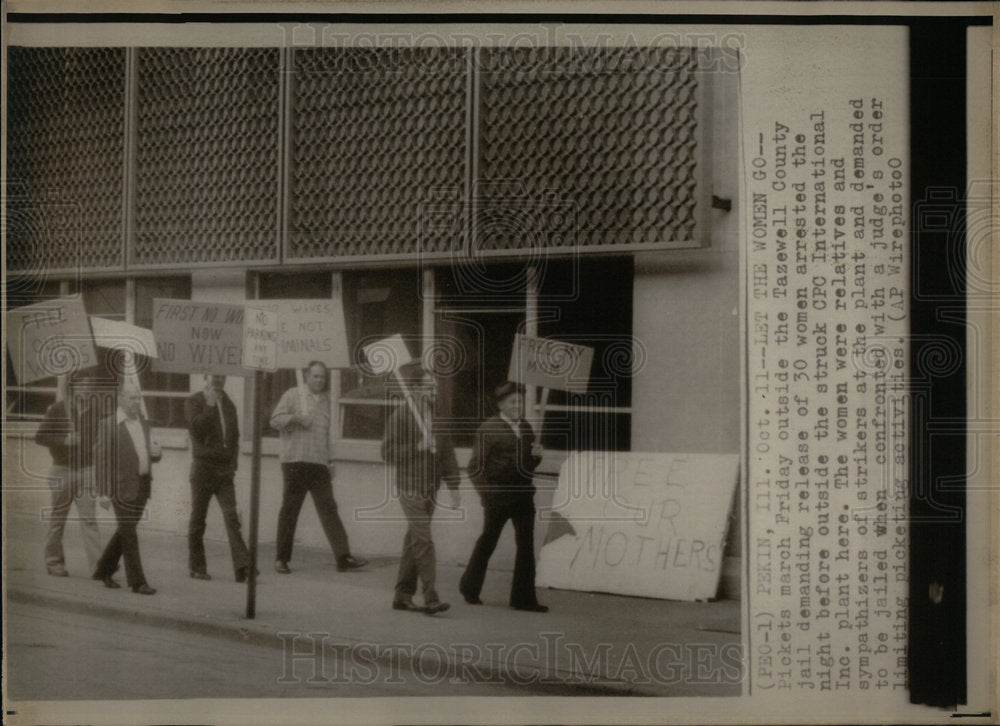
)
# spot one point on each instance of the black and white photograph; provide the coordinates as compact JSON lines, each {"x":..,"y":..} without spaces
{"x":389,"y":361}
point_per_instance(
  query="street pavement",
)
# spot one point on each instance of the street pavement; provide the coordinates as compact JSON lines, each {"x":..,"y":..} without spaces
{"x":339,"y":627}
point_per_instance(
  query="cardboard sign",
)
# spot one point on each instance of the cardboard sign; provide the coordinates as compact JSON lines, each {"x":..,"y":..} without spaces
{"x":309,"y":330}
{"x":198,"y":337}
{"x":50,"y":338}
{"x":639,"y":524}
{"x":387,"y":355}
{"x":117,"y":334}
{"x":260,"y":340}
{"x":549,"y":363}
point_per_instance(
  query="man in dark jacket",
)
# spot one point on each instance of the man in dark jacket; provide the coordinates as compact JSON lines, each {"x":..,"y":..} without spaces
{"x":422,"y":458}
{"x":123,"y":459}
{"x":504,"y":457}
{"x":68,"y":431}
{"x":215,"y":445}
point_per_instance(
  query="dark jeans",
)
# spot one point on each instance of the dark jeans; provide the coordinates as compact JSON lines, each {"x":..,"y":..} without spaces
{"x":302,"y":478}
{"x":522,"y":587}
{"x":124,"y":543}
{"x":208,"y":480}
{"x":418,"y":559}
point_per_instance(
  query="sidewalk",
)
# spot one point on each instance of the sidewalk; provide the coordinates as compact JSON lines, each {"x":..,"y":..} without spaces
{"x":588,"y":643}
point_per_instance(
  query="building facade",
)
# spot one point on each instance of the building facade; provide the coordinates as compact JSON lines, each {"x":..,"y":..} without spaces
{"x":455,"y":196}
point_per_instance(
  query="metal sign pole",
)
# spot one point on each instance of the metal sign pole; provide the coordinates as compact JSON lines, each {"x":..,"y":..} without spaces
{"x":255,"y":403}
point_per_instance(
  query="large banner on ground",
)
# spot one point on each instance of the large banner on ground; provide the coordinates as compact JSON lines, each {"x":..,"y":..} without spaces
{"x":635,"y":523}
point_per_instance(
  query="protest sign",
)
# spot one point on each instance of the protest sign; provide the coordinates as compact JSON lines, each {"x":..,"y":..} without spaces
{"x":548,"y":363}
{"x":309,"y":330}
{"x":49,"y":338}
{"x":123,"y":336}
{"x":635,"y":523}
{"x":387,"y":355}
{"x":198,"y":337}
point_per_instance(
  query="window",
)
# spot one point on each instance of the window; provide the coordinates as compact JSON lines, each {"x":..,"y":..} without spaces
{"x":377,"y":304}
{"x":587,"y":302}
{"x":590,"y":303}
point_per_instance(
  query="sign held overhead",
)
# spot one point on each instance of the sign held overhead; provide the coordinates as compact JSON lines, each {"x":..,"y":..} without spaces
{"x":309,"y":330}
{"x":198,"y":337}
{"x":50,"y":338}
{"x":548,"y":363}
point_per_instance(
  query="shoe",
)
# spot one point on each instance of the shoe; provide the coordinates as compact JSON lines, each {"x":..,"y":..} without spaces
{"x":436,"y":607}
{"x":350,"y":563}
{"x":536,"y":608}
{"x":108,"y":581}
{"x":144,"y":589}
{"x":472,"y":599}
{"x":282,"y":567}
{"x":407,"y":605}
{"x":57,"y":571}
{"x":199,"y":575}
{"x":244,"y":572}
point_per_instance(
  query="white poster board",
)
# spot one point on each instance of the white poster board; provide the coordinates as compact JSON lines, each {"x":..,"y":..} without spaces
{"x":309,"y":330}
{"x":260,"y":340}
{"x":387,"y":355}
{"x":50,"y":338}
{"x":549,"y":363}
{"x":635,"y":523}
{"x":124,"y":336}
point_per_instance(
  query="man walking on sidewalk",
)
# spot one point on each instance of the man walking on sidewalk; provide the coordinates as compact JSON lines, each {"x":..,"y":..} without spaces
{"x":68,"y":431}
{"x":504,"y":456}
{"x":421,"y":463}
{"x":215,"y":445}
{"x":303,"y":420}
{"x":123,"y":458}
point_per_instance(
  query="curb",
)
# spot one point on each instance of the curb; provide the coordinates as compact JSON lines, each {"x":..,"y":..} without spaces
{"x":527,"y":676}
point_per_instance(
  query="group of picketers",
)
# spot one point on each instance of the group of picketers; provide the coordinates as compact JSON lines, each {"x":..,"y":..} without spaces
{"x":112,"y":457}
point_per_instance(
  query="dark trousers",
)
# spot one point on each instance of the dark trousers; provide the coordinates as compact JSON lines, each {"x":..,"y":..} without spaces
{"x":302,"y":478}
{"x":124,"y":543}
{"x":208,"y":480}
{"x":419,"y":560}
{"x":522,"y":588}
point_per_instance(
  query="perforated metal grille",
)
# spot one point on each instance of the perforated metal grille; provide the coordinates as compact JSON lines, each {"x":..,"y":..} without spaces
{"x":65,"y":158}
{"x":586,"y":147}
{"x":207,"y":149}
{"x":379,"y":144}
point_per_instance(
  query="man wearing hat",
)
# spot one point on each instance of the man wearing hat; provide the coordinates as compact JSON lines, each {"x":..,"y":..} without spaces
{"x":504,"y":456}
{"x":422,"y":458}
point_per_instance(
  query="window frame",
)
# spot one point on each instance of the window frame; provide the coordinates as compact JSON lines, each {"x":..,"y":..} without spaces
{"x":77,"y":286}
{"x":349,"y":449}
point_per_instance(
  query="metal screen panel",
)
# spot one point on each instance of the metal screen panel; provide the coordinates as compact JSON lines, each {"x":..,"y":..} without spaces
{"x":65,"y":158}
{"x":586,"y":147}
{"x":207,"y":156}
{"x":379,"y":143}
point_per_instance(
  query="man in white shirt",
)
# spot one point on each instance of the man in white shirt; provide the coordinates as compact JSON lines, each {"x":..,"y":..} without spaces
{"x":305,"y":464}
{"x":123,"y":457}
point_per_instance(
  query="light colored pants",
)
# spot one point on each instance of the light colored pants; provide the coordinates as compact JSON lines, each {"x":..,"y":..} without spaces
{"x":69,"y":487}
